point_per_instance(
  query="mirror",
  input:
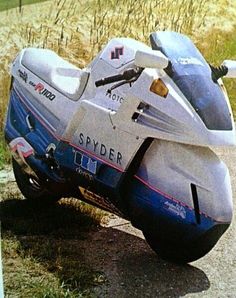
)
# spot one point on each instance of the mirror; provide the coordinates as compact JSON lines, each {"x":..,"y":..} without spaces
{"x":151,"y":59}
{"x":231,"y":65}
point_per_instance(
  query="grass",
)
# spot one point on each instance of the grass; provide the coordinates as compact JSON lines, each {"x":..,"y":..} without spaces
{"x":216,"y":47}
{"x":5,"y":156}
{"x":42,"y":256}
{"x":8,"y":4}
{"x":49,"y":275}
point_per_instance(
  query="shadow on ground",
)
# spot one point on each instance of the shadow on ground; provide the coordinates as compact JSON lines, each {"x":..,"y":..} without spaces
{"x":82,"y":254}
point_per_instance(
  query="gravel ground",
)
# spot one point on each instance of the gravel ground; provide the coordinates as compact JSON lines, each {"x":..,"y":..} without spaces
{"x":132,"y":269}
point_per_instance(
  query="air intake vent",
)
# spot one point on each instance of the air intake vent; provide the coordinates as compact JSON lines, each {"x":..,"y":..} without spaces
{"x":196,"y":203}
{"x":151,"y":117}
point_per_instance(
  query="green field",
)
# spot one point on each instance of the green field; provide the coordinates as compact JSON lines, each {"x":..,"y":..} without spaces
{"x":8,"y":4}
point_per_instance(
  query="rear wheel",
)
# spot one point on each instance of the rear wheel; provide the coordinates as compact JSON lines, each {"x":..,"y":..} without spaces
{"x":180,"y":251}
{"x":170,"y":251}
{"x":32,"y":188}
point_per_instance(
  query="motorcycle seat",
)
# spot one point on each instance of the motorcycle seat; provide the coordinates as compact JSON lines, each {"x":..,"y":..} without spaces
{"x":55,"y":71}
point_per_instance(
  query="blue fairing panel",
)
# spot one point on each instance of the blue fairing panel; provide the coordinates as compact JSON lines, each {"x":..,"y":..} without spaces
{"x":17,"y":125}
{"x":151,"y":207}
{"x":70,"y":157}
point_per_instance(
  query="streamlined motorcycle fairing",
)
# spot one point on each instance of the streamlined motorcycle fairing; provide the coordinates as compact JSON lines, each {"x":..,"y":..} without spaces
{"x":139,"y":148}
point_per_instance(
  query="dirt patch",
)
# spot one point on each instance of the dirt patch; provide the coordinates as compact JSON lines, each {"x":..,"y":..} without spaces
{"x":8,"y":187}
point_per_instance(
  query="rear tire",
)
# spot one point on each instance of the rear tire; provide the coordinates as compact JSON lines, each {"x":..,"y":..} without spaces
{"x":33,"y":189}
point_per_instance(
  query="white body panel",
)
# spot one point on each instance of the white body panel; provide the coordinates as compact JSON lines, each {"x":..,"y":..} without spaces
{"x":93,"y":131}
{"x":174,"y":118}
{"x":29,"y":83}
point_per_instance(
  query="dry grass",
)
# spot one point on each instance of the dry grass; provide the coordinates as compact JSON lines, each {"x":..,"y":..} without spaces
{"x":136,"y":19}
{"x":77,"y":30}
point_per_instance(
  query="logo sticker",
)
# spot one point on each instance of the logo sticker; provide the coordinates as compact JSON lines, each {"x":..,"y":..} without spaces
{"x":114,"y":97}
{"x":189,"y":60}
{"x":23,"y":75}
{"x":104,"y":202}
{"x":99,"y":148}
{"x":176,"y":209}
{"x":119,"y":51}
{"x":85,"y":174}
{"x":22,"y":147}
{"x":85,"y":162}
{"x":42,"y":90}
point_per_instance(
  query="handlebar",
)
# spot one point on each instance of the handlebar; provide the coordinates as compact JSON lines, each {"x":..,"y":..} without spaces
{"x":218,"y":72}
{"x":127,"y":75}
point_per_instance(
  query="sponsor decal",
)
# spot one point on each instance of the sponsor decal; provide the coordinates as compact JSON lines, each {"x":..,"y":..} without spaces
{"x":176,"y":209}
{"x":19,"y":144}
{"x":100,"y":149}
{"x":114,"y":97}
{"x":39,"y":87}
{"x":23,"y":75}
{"x":84,"y":174}
{"x":119,"y":51}
{"x":85,"y":162}
{"x":22,"y":147}
{"x":189,"y":60}
{"x":99,"y":200}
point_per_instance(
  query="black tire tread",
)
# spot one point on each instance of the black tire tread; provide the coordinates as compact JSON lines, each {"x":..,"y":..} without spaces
{"x":35,"y":195}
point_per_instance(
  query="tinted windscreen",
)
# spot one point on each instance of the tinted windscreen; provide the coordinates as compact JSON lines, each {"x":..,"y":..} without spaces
{"x":192,"y":75}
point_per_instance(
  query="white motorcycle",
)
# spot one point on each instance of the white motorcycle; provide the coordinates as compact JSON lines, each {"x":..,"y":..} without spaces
{"x":131,"y":133}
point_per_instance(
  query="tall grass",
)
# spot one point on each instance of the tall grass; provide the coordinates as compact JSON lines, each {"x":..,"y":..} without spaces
{"x":77,"y":30}
{"x":137,"y":19}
